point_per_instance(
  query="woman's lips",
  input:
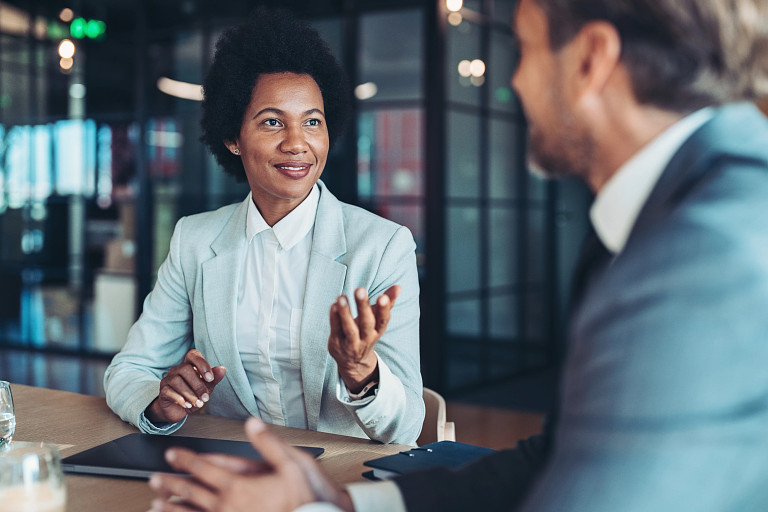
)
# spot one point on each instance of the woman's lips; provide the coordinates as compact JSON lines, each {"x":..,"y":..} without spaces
{"x":293,"y":170}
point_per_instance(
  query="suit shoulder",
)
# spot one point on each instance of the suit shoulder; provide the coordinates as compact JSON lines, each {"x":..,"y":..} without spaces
{"x":212,"y":221}
{"x":360,"y":223}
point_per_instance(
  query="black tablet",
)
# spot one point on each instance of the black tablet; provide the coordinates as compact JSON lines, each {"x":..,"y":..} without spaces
{"x":140,"y":455}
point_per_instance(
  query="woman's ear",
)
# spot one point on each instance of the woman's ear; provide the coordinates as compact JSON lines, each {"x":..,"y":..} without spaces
{"x":232,"y":147}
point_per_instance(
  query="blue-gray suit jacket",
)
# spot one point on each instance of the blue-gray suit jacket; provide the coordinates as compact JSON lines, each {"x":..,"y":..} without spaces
{"x":194,"y":301}
{"x":664,"y":395}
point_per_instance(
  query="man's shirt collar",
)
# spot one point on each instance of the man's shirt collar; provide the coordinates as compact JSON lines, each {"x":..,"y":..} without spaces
{"x":619,"y":202}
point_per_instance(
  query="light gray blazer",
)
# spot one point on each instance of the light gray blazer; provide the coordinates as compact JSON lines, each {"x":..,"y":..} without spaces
{"x":193,"y":305}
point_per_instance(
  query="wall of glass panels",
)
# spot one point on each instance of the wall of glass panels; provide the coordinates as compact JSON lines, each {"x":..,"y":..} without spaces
{"x":496,"y":243}
{"x":97,"y":164}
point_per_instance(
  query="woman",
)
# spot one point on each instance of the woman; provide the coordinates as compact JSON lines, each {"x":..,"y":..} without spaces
{"x":239,"y":317}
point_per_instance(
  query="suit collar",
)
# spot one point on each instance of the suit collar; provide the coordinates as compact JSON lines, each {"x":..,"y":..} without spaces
{"x":620,"y":200}
{"x":221,"y":276}
{"x":329,"y":238}
{"x":325,"y":283}
{"x":738,"y":129}
{"x":232,"y":236}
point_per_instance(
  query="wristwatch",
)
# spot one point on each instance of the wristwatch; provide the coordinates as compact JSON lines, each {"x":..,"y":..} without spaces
{"x":368,"y":390}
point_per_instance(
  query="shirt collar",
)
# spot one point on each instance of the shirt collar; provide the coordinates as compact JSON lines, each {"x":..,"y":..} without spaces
{"x":619,"y":202}
{"x":290,"y":229}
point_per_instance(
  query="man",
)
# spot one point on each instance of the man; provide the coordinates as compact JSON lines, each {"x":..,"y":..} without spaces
{"x":664,"y":401}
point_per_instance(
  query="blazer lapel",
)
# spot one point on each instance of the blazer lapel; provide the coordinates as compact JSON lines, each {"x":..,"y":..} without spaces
{"x":220,"y":277}
{"x":325,"y":282}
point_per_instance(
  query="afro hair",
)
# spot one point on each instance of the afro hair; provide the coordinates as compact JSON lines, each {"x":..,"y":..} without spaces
{"x":272,"y":41}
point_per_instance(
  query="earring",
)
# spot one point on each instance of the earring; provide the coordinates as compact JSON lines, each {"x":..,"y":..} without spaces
{"x":236,"y":151}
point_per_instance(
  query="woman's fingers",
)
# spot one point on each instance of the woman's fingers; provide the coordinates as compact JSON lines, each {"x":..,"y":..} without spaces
{"x":170,"y":396}
{"x":196,"y":359}
{"x":366,"y":321}
{"x":348,"y":324}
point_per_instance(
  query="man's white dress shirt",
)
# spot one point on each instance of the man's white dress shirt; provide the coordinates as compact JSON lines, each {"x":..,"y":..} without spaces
{"x":618,"y":203}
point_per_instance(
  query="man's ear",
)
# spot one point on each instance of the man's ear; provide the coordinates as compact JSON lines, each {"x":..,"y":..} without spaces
{"x":593,"y":54}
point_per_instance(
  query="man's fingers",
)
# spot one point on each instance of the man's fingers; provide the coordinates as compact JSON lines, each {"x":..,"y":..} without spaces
{"x":188,"y":490}
{"x":173,"y":505}
{"x":274,"y":451}
{"x":365,"y":318}
{"x":239,"y":465}
{"x":210,"y":475}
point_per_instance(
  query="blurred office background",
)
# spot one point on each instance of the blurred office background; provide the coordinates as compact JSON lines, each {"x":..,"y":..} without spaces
{"x":99,"y":157}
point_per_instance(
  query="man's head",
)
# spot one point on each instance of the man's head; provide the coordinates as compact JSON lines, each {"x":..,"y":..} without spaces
{"x":681,"y":54}
{"x":600,"y":78}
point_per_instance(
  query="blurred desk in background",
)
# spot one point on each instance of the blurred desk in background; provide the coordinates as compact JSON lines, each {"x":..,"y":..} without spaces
{"x":77,"y":422}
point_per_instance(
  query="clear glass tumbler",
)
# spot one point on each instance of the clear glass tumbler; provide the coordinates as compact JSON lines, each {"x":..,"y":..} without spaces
{"x":31,"y":479}
{"x":7,"y":417}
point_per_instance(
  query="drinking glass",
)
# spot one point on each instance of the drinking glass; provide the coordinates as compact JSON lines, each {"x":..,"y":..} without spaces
{"x":31,"y":479}
{"x":7,"y":418}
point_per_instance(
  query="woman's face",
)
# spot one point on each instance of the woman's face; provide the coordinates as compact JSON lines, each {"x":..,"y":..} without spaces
{"x":283,"y":142}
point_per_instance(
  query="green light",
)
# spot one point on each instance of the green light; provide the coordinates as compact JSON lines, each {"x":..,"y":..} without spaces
{"x":55,"y":30}
{"x":5,"y":100}
{"x":95,"y":29}
{"x":92,"y":29}
{"x":102,"y":28}
{"x":503,"y":95}
{"x":77,"y":28}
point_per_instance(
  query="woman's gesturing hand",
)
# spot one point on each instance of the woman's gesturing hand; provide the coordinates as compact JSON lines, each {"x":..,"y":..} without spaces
{"x":184,"y":389}
{"x":352,"y":339}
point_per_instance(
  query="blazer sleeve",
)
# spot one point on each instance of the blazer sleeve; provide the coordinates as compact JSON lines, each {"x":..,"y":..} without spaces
{"x":499,"y":481}
{"x":158,"y":340}
{"x":396,"y":414}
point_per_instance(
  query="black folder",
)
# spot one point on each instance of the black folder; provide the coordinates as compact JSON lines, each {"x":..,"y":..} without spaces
{"x":448,"y":454}
{"x":140,"y":455}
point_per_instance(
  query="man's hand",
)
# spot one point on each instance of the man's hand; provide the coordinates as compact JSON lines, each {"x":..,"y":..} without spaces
{"x":285,"y":480}
{"x":184,"y":389}
{"x":352,"y":339}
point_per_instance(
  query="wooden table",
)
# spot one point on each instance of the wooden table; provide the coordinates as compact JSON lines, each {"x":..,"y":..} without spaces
{"x":77,"y":422}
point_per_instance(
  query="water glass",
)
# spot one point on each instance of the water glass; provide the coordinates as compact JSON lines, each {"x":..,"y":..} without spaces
{"x":7,"y":418}
{"x":31,"y":479}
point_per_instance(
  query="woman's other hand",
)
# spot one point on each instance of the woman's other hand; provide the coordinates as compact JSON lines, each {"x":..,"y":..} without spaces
{"x":184,"y":389}
{"x":352,"y":339}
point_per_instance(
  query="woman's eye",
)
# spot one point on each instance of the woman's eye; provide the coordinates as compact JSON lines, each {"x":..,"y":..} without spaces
{"x":272,"y":122}
{"x":313,"y":122}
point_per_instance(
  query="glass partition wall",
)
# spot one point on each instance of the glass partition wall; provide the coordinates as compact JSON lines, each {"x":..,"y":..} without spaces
{"x":98,"y":162}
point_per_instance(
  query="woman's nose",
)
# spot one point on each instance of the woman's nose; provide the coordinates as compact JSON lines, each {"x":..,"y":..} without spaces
{"x":294,"y":141}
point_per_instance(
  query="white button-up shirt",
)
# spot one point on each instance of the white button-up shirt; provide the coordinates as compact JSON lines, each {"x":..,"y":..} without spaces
{"x":270,"y":301}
